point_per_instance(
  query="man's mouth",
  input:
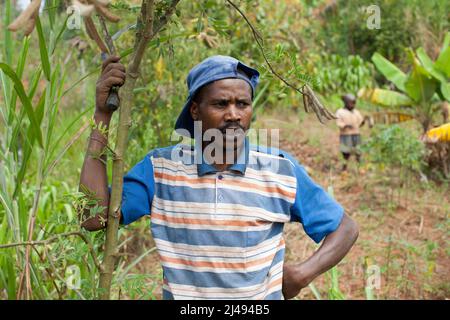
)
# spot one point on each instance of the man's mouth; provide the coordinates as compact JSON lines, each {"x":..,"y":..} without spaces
{"x":233,"y":131}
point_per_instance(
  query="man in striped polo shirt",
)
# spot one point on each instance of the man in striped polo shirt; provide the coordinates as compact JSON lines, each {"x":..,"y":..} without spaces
{"x":218,"y":207}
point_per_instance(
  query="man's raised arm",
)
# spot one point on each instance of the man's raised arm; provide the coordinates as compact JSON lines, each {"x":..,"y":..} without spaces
{"x":93,"y":179}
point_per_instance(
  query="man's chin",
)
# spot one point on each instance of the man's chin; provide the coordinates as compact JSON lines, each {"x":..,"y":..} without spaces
{"x":233,"y":142}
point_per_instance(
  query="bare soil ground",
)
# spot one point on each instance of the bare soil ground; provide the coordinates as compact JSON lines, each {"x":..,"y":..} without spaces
{"x":404,"y":232}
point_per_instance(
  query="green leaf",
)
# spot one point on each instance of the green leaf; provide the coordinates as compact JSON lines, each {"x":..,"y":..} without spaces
{"x":315,"y":291}
{"x":50,"y":7}
{"x":419,"y":86}
{"x":58,"y":37}
{"x":445,"y":90}
{"x":446,"y":41}
{"x":43,"y":50}
{"x":429,"y":66}
{"x":443,"y":62}
{"x":199,"y":26}
{"x":8,"y":42}
{"x":390,"y":71}
{"x":34,"y":83}
{"x":25,"y":101}
{"x":23,"y":56}
{"x":13,"y":146}
{"x":11,"y":280}
{"x":28,"y":146}
{"x":19,"y":70}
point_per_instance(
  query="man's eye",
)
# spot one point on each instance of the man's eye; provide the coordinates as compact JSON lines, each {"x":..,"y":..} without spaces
{"x":221,"y":104}
{"x":242,"y":103}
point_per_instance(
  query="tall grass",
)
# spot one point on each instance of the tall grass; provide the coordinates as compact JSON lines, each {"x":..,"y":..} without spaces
{"x":41,"y":151}
{"x":32,"y":142}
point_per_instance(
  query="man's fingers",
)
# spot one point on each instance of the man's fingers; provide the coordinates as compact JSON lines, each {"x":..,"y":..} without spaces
{"x":114,"y":66}
{"x":116,"y":74}
{"x":114,"y":81}
{"x":109,"y":60}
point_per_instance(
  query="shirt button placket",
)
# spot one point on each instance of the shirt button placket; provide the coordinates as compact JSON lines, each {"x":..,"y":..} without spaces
{"x":216,"y":192}
{"x":219,"y":196}
{"x":220,"y":178}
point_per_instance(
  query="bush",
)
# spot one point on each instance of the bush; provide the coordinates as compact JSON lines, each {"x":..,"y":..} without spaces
{"x":395,"y":146}
{"x":337,"y":74}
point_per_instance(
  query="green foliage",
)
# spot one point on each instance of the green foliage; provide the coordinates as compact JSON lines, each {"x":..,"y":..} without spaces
{"x":394,"y":146}
{"x":33,"y":204}
{"x":337,"y":74}
{"x":350,"y":35}
{"x":334,"y":292}
{"x":425,"y":84}
{"x":47,"y":90}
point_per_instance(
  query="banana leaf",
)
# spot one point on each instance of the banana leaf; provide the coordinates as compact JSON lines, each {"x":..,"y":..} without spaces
{"x":390,"y":71}
{"x":443,"y":61}
{"x":437,"y":72}
{"x":384,"y":97}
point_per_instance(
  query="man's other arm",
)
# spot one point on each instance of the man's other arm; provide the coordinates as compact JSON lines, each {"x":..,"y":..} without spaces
{"x":333,"y":249}
{"x":94,"y":179}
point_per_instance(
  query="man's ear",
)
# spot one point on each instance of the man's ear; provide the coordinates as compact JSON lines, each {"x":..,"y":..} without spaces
{"x":194,"y":110}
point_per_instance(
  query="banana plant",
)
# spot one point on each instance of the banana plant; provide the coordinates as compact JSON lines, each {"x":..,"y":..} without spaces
{"x":418,"y":91}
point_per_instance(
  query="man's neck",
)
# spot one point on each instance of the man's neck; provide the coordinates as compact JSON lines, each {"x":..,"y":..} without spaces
{"x":221,"y":167}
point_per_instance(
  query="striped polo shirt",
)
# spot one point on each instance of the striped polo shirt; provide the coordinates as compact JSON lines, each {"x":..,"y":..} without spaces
{"x":219,"y":235}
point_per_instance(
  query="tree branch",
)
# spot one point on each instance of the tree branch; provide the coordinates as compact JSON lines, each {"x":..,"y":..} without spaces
{"x":162,"y":21}
{"x":107,"y":36}
{"x":145,"y":32}
{"x":309,"y":98}
{"x":55,"y":238}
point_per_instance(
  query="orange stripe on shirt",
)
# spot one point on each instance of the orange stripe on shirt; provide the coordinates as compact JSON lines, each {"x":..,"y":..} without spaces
{"x":257,"y":187}
{"x":236,"y":223}
{"x":209,"y":264}
{"x":198,"y":180}
{"x":229,"y":183}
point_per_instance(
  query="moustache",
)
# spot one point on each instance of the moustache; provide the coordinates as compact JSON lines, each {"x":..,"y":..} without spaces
{"x":231,"y":126}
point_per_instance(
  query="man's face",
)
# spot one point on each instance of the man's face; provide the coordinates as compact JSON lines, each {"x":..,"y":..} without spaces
{"x":225,"y":105}
{"x":349,"y":103}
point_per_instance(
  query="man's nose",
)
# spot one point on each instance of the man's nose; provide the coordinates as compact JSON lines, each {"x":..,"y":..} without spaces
{"x":232,"y":113}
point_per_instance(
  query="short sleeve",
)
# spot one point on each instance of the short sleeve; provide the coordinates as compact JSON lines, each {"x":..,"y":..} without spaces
{"x":314,"y":208}
{"x":138,"y":191}
{"x":340,"y":121}
{"x":361,"y":118}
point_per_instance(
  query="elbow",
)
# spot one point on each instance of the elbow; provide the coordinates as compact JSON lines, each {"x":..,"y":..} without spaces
{"x":87,"y":227}
{"x":349,"y":229}
{"x":353,"y":230}
{"x":93,"y":224}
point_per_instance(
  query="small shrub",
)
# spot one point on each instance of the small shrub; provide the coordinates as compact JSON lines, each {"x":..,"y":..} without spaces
{"x":395,"y":146}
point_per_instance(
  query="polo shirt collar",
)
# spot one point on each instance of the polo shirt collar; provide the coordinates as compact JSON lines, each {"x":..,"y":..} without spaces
{"x":240,"y":166}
